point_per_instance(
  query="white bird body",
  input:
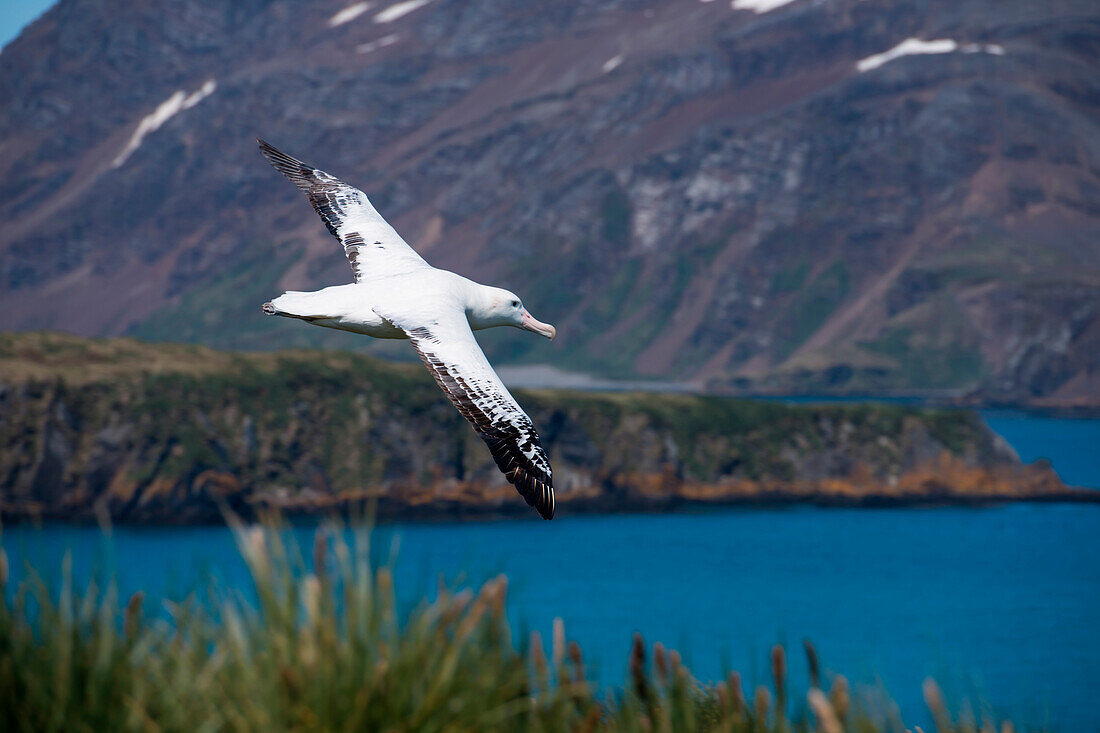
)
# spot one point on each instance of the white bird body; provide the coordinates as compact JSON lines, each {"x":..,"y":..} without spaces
{"x":344,"y":307}
{"x":422,"y":294}
{"x":397,"y":295}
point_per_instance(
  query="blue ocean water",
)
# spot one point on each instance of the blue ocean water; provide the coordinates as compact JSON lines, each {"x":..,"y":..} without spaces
{"x":1000,"y":603}
{"x":1071,"y":445}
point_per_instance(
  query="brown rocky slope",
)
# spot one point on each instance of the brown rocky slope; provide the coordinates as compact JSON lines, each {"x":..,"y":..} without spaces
{"x":689,"y":191}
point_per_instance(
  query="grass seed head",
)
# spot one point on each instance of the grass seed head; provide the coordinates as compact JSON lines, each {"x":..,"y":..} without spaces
{"x":498,"y":592}
{"x":933,"y":698}
{"x":453,"y":606}
{"x":320,"y":553}
{"x":779,"y":664}
{"x":558,"y":649}
{"x":311,"y":596}
{"x":255,"y":545}
{"x":779,"y":673}
{"x":761,"y":702}
{"x":384,"y":581}
{"x":578,"y":662}
{"x":839,"y":697}
{"x":637,"y":667}
{"x":812,"y":662}
{"x":737,"y":694}
{"x":132,"y":623}
{"x":826,"y":716}
{"x":538,"y":656}
{"x":660,"y":662}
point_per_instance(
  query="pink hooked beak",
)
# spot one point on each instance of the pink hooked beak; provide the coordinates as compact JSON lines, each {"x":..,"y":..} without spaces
{"x":543,"y":329}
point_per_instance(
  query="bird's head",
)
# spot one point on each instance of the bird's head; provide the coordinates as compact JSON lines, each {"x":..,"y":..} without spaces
{"x":504,"y":308}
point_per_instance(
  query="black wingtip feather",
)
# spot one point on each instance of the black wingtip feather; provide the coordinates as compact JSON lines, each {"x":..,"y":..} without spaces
{"x":546,"y":506}
{"x":537,"y":492}
{"x":297,"y":171}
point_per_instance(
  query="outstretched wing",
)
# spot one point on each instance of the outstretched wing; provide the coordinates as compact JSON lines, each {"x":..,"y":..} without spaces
{"x":372,"y":246}
{"x":448,"y":348}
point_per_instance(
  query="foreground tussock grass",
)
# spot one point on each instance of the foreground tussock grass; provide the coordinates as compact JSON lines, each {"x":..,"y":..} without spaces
{"x":321,"y":646}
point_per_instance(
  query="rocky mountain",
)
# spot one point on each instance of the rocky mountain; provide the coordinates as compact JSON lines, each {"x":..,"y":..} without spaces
{"x":811,"y":195}
{"x":171,"y":433}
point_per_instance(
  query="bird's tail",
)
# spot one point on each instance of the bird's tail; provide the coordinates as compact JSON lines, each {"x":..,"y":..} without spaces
{"x":293,"y":304}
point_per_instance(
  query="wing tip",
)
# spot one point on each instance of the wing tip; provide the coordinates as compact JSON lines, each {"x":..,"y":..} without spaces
{"x":288,"y":165}
{"x":547,"y":504}
{"x":537,"y":492}
{"x":547,"y":513}
{"x":542,"y":499}
{"x":268,"y":149}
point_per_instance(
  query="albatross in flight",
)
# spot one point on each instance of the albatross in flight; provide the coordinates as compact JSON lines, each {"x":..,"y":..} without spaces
{"x":397,"y":295}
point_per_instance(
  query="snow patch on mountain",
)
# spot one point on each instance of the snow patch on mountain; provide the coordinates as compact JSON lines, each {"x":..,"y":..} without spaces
{"x":165,"y":111}
{"x":759,"y":6}
{"x":349,"y":13}
{"x":915,"y":46}
{"x":399,"y":10}
{"x":375,"y":45}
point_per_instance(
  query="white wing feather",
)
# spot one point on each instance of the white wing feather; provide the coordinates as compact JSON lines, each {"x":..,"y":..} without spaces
{"x":372,"y":246}
{"x":448,"y":348}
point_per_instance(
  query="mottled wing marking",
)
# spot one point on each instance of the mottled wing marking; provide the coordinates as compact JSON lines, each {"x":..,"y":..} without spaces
{"x":350,"y":217}
{"x":461,"y":370}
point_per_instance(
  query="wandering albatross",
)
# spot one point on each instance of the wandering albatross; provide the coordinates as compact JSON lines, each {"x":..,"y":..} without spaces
{"x":397,"y":295}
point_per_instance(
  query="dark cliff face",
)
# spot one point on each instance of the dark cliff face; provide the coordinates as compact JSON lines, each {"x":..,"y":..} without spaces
{"x":169,"y":433}
{"x":689,"y":191}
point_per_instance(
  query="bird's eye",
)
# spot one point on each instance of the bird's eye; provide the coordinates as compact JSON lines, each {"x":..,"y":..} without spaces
{"x":515,"y":304}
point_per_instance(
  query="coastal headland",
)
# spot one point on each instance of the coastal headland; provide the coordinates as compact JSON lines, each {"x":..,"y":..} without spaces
{"x":167,"y":433}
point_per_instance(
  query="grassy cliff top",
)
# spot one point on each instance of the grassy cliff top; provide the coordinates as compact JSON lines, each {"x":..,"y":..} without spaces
{"x":46,"y":356}
{"x":278,"y":380}
{"x":50,"y":355}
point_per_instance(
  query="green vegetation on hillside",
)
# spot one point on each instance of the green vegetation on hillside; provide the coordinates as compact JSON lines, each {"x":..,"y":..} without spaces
{"x":926,"y":366}
{"x":615,"y":217}
{"x":813,"y":304}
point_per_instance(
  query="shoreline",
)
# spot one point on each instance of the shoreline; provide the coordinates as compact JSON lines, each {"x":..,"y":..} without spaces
{"x":501,"y":514}
{"x":447,"y":509}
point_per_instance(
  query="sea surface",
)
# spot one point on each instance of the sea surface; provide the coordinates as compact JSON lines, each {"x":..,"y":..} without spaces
{"x":1071,"y":445}
{"x":1001,"y":604}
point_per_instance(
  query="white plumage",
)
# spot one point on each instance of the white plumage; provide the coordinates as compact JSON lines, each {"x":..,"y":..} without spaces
{"x":396,"y":294}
